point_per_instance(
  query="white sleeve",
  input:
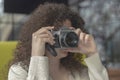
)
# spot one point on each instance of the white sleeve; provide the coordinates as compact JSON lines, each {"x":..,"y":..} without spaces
{"x":38,"y":70}
{"x":96,"y":70}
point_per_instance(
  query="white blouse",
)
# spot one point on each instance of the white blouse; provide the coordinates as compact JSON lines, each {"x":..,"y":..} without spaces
{"x":39,"y":70}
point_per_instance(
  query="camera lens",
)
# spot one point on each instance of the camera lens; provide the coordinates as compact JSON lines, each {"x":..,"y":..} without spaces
{"x":71,"y":39}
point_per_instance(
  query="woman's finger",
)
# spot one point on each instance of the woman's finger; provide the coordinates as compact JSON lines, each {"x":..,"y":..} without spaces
{"x":72,"y":28}
{"x":87,"y":38}
{"x":49,"y":33}
{"x":44,"y":31}
{"x":78,"y":31}
{"x":82,"y":37}
{"x":48,"y":28}
{"x":48,"y":40}
{"x":44,"y":36}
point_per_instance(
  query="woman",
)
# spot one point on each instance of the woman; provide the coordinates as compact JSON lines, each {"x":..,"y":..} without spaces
{"x":33,"y":61}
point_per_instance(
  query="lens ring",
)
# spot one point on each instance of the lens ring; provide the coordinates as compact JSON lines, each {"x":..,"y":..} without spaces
{"x":71,"y":39}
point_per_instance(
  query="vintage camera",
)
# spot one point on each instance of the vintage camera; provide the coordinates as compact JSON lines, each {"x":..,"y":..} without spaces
{"x":64,"y":38}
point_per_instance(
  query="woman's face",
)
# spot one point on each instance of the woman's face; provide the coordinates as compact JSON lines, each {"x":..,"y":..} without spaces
{"x":61,"y":52}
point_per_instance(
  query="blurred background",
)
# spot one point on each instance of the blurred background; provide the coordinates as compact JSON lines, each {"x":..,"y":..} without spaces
{"x":102,"y":18}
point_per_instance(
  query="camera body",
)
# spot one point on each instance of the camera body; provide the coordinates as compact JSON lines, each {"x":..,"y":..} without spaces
{"x":65,"y":38}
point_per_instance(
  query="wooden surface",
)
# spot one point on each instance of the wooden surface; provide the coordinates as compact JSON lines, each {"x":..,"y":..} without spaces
{"x":114,"y":74}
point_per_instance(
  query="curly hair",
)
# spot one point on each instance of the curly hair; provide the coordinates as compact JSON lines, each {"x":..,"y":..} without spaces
{"x":48,"y":14}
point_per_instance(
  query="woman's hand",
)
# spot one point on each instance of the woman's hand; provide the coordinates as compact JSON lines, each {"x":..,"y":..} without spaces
{"x":39,"y":38}
{"x":86,"y":44}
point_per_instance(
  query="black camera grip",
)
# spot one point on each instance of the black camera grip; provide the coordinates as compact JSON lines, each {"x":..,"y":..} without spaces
{"x":51,"y":49}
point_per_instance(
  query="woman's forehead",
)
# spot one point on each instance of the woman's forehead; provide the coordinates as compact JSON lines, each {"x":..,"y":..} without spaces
{"x":67,"y":23}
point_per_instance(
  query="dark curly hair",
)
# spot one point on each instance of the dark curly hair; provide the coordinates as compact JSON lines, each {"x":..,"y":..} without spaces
{"x":48,"y":14}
